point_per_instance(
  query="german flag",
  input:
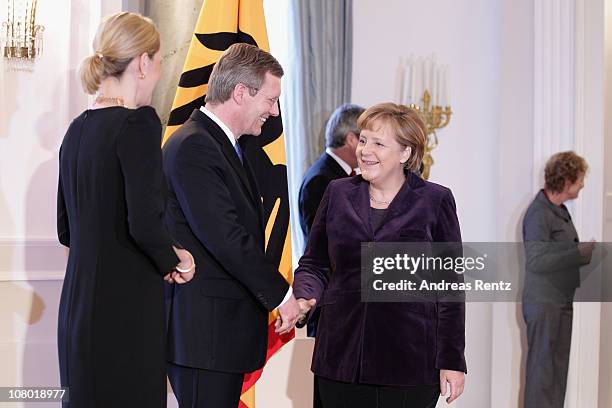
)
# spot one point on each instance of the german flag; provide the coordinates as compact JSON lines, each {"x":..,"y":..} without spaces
{"x":222,"y":23}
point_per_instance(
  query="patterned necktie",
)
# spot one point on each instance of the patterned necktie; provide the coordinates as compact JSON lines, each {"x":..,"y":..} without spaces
{"x":239,"y":152}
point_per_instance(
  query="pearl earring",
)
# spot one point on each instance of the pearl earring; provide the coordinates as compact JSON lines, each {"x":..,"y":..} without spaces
{"x":142,"y":76}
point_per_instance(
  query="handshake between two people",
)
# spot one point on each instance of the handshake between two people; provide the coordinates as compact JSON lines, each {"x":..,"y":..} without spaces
{"x":184,"y":271}
{"x":291,"y":312}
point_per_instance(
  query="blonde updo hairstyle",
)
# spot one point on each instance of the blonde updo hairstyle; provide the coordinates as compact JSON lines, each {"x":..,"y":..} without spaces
{"x":120,"y":38}
{"x":405,"y":124}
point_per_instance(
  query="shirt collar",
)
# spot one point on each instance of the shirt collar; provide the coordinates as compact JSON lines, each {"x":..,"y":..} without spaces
{"x":222,"y":125}
{"x":559,"y":210}
{"x":345,"y":166}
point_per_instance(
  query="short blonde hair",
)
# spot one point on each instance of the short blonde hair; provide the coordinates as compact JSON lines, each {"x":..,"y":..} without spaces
{"x":405,"y":124}
{"x":561,"y":168}
{"x":120,"y":38}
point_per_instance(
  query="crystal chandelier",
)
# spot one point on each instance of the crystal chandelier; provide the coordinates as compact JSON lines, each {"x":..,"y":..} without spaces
{"x":21,"y":37}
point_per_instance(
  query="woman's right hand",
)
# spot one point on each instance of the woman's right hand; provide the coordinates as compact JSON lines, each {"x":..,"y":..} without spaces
{"x":186,"y":263}
{"x":305,"y":306}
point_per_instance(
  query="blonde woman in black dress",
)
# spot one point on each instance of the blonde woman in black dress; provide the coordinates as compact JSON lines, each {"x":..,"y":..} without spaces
{"x":111,"y":337}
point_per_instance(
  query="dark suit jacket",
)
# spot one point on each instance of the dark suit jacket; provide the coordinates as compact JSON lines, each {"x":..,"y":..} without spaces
{"x":316,"y":180}
{"x":551,"y":251}
{"x":378,"y":343}
{"x":219,"y":320}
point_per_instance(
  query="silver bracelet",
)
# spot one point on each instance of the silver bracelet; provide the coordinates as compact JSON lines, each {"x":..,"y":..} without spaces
{"x":191,"y":268}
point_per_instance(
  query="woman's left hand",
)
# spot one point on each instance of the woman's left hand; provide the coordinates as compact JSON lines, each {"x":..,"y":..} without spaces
{"x":453,"y":379}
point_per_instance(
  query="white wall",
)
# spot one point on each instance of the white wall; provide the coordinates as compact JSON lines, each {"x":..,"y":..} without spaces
{"x":513,"y":194}
{"x":605,"y":369}
{"x":469,"y":39}
{"x":466,"y":38}
{"x":35,"y":110}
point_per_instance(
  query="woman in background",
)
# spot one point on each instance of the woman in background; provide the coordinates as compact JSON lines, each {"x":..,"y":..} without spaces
{"x":111,"y":336}
{"x":554,"y":256}
{"x":381,"y":355}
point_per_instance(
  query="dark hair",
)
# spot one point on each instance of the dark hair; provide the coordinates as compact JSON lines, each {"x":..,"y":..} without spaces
{"x":240,"y":64}
{"x":342,"y":121}
{"x":563,"y":167}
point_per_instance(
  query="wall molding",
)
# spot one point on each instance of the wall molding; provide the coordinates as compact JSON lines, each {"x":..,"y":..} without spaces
{"x":37,"y":259}
{"x":568,"y":115}
{"x":553,"y":85}
{"x":583,"y":381}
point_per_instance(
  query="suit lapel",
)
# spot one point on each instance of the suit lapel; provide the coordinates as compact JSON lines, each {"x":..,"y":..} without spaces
{"x":226,"y":148}
{"x":359,"y":197}
{"x":405,"y":198}
{"x":255,"y":188}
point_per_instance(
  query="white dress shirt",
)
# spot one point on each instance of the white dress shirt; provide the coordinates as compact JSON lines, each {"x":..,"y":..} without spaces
{"x":345,"y":166}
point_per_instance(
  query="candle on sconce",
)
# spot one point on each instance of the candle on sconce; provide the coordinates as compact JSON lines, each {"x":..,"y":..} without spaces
{"x":419,"y":74}
{"x":407,"y":81}
{"x":416,"y":81}
{"x":435,"y":91}
{"x":413,"y":80}
{"x":445,"y":88}
{"x":448,"y":94}
{"x":399,"y":92}
{"x":427,"y":64}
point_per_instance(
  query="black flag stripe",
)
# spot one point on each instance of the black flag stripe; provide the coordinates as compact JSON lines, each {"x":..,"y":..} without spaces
{"x":222,"y":41}
{"x":179,"y":115}
{"x":196,"y":77}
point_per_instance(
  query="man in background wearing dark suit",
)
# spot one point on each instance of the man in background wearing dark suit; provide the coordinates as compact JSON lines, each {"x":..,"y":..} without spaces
{"x":218,"y":324}
{"x":338,"y":160}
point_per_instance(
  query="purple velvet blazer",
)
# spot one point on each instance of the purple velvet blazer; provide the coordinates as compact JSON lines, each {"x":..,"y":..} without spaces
{"x":378,"y":343}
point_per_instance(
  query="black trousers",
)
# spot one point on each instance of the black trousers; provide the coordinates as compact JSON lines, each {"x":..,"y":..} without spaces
{"x":316,"y":395}
{"x":197,"y":388}
{"x":336,"y":394}
{"x":549,"y":334}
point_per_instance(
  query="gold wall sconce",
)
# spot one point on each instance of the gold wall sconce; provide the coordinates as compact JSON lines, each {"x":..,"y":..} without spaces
{"x":425,"y":87}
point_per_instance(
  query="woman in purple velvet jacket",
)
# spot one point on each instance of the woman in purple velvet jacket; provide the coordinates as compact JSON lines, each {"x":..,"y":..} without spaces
{"x":381,"y":354}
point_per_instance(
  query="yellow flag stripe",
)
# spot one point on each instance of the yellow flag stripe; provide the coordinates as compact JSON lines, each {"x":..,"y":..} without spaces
{"x":276,"y":151}
{"x":189,"y":94}
{"x":253,"y":21}
{"x":218,"y":16}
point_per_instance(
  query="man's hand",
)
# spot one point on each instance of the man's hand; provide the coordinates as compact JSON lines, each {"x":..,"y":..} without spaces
{"x":305,"y":306}
{"x":455,"y":380}
{"x":289,"y":313}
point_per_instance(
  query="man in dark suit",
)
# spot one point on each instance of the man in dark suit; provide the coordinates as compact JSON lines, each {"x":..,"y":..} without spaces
{"x":218,"y":324}
{"x":338,"y":160}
